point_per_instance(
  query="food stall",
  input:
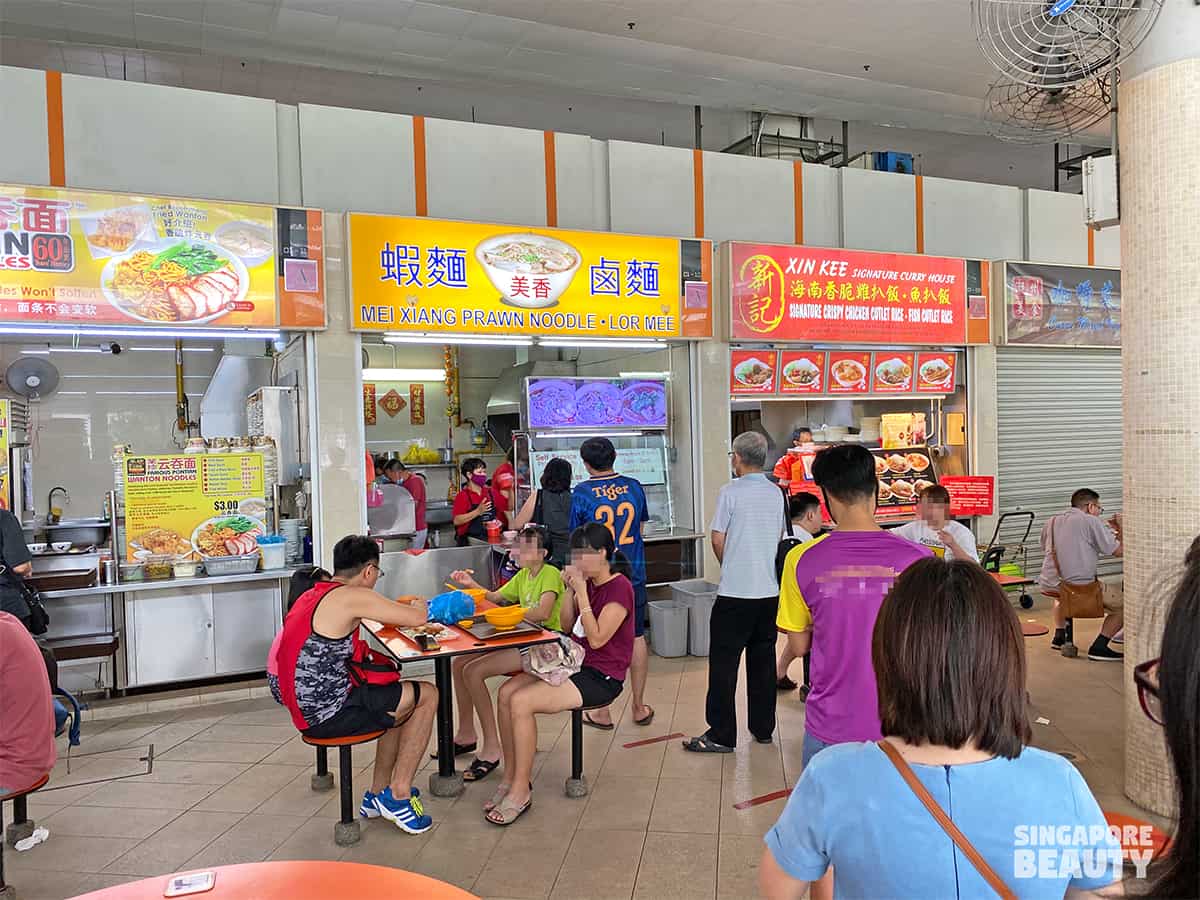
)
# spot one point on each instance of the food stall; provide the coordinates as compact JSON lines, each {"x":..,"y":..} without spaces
{"x":1059,"y":420}
{"x":857,"y":346}
{"x":501,"y":314}
{"x":156,"y":422}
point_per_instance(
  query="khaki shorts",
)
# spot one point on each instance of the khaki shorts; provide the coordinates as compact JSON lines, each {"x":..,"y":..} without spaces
{"x":1114,"y":596}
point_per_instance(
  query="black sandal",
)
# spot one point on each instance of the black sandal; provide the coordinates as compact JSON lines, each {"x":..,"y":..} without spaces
{"x":480,"y":769}
{"x":459,"y":749}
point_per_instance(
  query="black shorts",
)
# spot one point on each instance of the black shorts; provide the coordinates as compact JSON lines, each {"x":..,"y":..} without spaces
{"x":596,"y":688}
{"x":368,"y":708}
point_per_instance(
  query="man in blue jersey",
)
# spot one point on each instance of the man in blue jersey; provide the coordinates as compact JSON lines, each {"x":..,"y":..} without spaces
{"x":619,"y":503}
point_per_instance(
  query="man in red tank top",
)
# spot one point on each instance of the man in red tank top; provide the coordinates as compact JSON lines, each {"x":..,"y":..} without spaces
{"x":318,"y":640}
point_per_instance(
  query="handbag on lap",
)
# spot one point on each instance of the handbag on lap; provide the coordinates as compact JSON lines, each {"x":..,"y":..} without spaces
{"x":1078,"y":601}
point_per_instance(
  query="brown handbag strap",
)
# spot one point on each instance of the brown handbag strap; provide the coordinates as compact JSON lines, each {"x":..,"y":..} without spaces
{"x":960,"y":839}
{"x":1050,"y":550}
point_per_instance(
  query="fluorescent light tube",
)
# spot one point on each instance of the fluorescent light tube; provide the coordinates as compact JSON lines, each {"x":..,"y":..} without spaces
{"x":404,"y":374}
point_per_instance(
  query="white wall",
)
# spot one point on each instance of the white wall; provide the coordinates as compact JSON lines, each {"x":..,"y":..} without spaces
{"x":651,"y":189}
{"x":25,"y":155}
{"x":735,"y":184}
{"x":879,"y":211}
{"x":1054,"y":228}
{"x":978,"y":221}
{"x":339,"y":169}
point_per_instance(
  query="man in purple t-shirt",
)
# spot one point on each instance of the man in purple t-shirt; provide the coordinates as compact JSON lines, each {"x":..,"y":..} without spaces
{"x":830,"y":595}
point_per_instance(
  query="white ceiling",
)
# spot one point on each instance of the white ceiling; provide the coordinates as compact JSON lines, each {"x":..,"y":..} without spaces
{"x":789,"y":56}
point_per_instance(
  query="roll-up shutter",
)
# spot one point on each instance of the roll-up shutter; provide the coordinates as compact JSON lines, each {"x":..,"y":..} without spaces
{"x":1059,"y":427}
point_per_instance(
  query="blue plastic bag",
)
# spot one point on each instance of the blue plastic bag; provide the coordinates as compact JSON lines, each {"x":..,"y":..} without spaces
{"x":451,"y":607}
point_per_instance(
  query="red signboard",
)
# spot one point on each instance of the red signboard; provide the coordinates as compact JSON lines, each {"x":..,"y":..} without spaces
{"x":802,"y":372}
{"x":892,"y":373}
{"x":752,"y":371}
{"x":849,"y":372}
{"x":792,"y":293}
{"x":936,"y":372}
{"x":971,"y":495}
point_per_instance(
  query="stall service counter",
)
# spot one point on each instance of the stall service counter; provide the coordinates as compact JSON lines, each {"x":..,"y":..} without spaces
{"x":174,"y":630}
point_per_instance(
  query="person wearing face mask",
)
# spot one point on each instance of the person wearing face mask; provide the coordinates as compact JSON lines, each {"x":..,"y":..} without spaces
{"x":474,"y":504}
{"x":746,"y":529}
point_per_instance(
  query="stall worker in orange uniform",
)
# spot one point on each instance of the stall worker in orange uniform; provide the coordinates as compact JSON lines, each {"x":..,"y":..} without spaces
{"x":790,"y":472}
{"x":504,"y":487}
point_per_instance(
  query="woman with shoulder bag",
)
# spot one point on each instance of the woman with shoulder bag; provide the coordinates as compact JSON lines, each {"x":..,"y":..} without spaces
{"x":952,"y":801}
{"x":550,"y":507}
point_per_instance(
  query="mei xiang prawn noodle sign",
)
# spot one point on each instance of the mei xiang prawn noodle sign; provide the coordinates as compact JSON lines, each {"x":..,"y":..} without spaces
{"x":426,"y":275}
{"x":1062,"y":306}
{"x":793,"y":293}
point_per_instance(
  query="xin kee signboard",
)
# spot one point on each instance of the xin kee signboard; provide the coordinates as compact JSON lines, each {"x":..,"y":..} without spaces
{"x":790,"y":293}
{"x":210,"y":505}
{"x":426,"y":275}
{"x":1062,"y":306}
{"x":88,"y":258}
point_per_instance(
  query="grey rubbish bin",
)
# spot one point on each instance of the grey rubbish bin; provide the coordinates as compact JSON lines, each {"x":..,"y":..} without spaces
{"x":668,"y":627}
{"x":699,"y":596}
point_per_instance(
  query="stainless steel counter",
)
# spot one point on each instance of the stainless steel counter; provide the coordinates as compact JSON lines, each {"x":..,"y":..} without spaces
{"x":167,"y":584}
{"x":675,"y":534}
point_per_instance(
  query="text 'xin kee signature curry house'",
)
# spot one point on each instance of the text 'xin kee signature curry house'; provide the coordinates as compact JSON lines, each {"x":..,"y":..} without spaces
{"x":855,"y":346}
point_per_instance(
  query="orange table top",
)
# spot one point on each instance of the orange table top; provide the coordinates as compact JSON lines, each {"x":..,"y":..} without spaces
{"x":1134,"y":832}
{"x":288,"y":880}
{"x":463,"y":641}
{"x":1011,"y":580}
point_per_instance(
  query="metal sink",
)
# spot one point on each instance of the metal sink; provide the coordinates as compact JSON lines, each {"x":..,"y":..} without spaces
{"x":64,"y":562}
{"x":438,"y":513}
{"x":83,"y":531}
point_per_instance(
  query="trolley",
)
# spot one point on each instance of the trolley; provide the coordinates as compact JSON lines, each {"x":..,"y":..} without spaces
{"x":1007,"y":562}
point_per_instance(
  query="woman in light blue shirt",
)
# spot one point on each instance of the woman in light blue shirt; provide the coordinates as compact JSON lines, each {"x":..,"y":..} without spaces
{"x":949,"y":661}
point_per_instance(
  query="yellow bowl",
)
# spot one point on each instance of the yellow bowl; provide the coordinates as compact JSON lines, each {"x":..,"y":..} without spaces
{"x":504,"y":616}
{"x":466,"y":623}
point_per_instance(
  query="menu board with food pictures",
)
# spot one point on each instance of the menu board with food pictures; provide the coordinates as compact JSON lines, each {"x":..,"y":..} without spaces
{"x":903,"y":473}
{"x":802,"y":372}
{"x":647,"y":464}
{"x":936,"y":372}
{"x":71,"y":257}
{"x":892,"y":373}
{"x":194,"y":506}
{"x":849,"y":372}
{"x":591,"y":402}
{"x":753,"y":371}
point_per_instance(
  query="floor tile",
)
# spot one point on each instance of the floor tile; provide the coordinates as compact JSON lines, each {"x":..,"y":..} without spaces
{"x":312,"y":840}
{"x":513,"y":871}
{"x":252,"y":839}
{"x":683,"y":805}
{"x":460,"y":856}
{"x":55,"y":885}
{"x":620,"y":804}
{"x":296,"y":798}
{"x":682,"y":866}
{"x":83,"y":853}
{"x":196,"y":750}
{"x":136,"y":794}
{"x":600,"y":865}
{"x":248,"y":734}
{"x":105,"y":821}
{"x":251,"y":788}
{"x":737,"y":866}
{"x":170,"y":848}
{"x":383,"y":844}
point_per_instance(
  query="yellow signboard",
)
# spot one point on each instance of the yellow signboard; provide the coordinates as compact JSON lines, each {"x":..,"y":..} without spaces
{"x":429,"y":275}
{"x":212,"y":505}
{"x":5,"y":475}
{"x":88,"y":258}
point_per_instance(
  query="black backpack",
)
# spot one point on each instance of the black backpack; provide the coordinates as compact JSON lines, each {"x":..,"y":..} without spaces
{"x":787,"y":543}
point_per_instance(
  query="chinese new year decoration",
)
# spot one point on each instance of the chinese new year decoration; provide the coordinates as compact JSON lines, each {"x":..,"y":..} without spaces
{"x":392,"y":403}
{"x":416,"y":404}
{"x":368,"y":404}
{"x":450,"y":363}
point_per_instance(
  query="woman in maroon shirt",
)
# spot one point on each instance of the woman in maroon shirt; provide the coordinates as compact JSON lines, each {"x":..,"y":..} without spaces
{"x":598,"y":602}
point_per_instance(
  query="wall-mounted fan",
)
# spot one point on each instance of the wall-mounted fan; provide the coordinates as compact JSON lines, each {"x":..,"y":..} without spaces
{"x":1021,"y":114}
{"x":31,"y":377}
{"x":1056,"y":43}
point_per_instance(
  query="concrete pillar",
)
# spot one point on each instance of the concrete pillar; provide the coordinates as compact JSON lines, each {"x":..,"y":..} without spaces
{"x":1160,"y":254}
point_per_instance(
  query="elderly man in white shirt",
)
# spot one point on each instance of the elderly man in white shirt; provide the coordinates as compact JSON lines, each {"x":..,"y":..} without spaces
{"x":936,"y":530}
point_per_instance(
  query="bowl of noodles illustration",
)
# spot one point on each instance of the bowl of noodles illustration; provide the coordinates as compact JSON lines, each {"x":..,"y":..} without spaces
{"x":529,"y":270}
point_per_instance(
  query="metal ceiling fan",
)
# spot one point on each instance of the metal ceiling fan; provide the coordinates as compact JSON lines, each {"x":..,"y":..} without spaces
{"x":1021,"y":114}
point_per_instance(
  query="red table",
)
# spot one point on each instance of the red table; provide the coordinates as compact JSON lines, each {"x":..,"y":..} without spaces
{"x":290,"y":880}
{"x":447,"y":782}
{"x":1015,"y":581}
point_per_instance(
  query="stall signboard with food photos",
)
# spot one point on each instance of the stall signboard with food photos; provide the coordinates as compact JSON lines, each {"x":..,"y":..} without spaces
{"x":892,"y":372}
{"x":75,"y":258}
{"x":903,"y":473}
{"x":802,"y":372}
{"x":570,"y":403}
{"x":429,"y":275}
{"x":823,"y":295}
{"x":194,"y":506}
{"x":1061,"y":306}
{"x":753,"y":371}
{"x":937,"y":372}
{"x":849,"y":372}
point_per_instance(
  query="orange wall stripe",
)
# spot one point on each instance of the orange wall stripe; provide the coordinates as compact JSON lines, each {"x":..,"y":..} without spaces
{"x":1091,"y":238}
{"x":420,"y":176}
{"x":798,"y":199}
{"x":698,"y":189}
{"x":54,"y":129}
{"x":920,"y":214}
{"x":551,"y":181}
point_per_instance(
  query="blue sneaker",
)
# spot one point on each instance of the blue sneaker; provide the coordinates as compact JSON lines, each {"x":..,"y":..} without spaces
{"x":407,"y":815}
{"x":368,"y":809}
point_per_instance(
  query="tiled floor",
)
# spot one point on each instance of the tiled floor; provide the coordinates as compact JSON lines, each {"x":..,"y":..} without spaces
{"x":231,"y":784}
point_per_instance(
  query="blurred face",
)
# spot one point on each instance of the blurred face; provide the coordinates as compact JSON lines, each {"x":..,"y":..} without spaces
{"x":590,"y":562}
{"x":528,"y":552}
{"x":804,"y":437}
{"x":811,"y":520}
{"x":1094,"y":509}
{"x":933,"y":512}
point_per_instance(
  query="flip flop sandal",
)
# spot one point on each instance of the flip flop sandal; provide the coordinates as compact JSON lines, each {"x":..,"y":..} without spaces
{"x":702,"y":744}
{"x":459,"y":749}
{"x":587,"y":720}
{"x":647,"y":719}
{"x":507,"y":813}
{"x":498,"y":797}
{"x":480,"y":769}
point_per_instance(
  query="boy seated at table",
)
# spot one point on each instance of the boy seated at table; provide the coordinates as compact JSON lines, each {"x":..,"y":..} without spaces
{"x":538,"y":588}
{"x":316,"y":687}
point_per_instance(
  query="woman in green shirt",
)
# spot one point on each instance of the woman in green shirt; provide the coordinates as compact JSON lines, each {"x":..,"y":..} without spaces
{"x":538,"y":589}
